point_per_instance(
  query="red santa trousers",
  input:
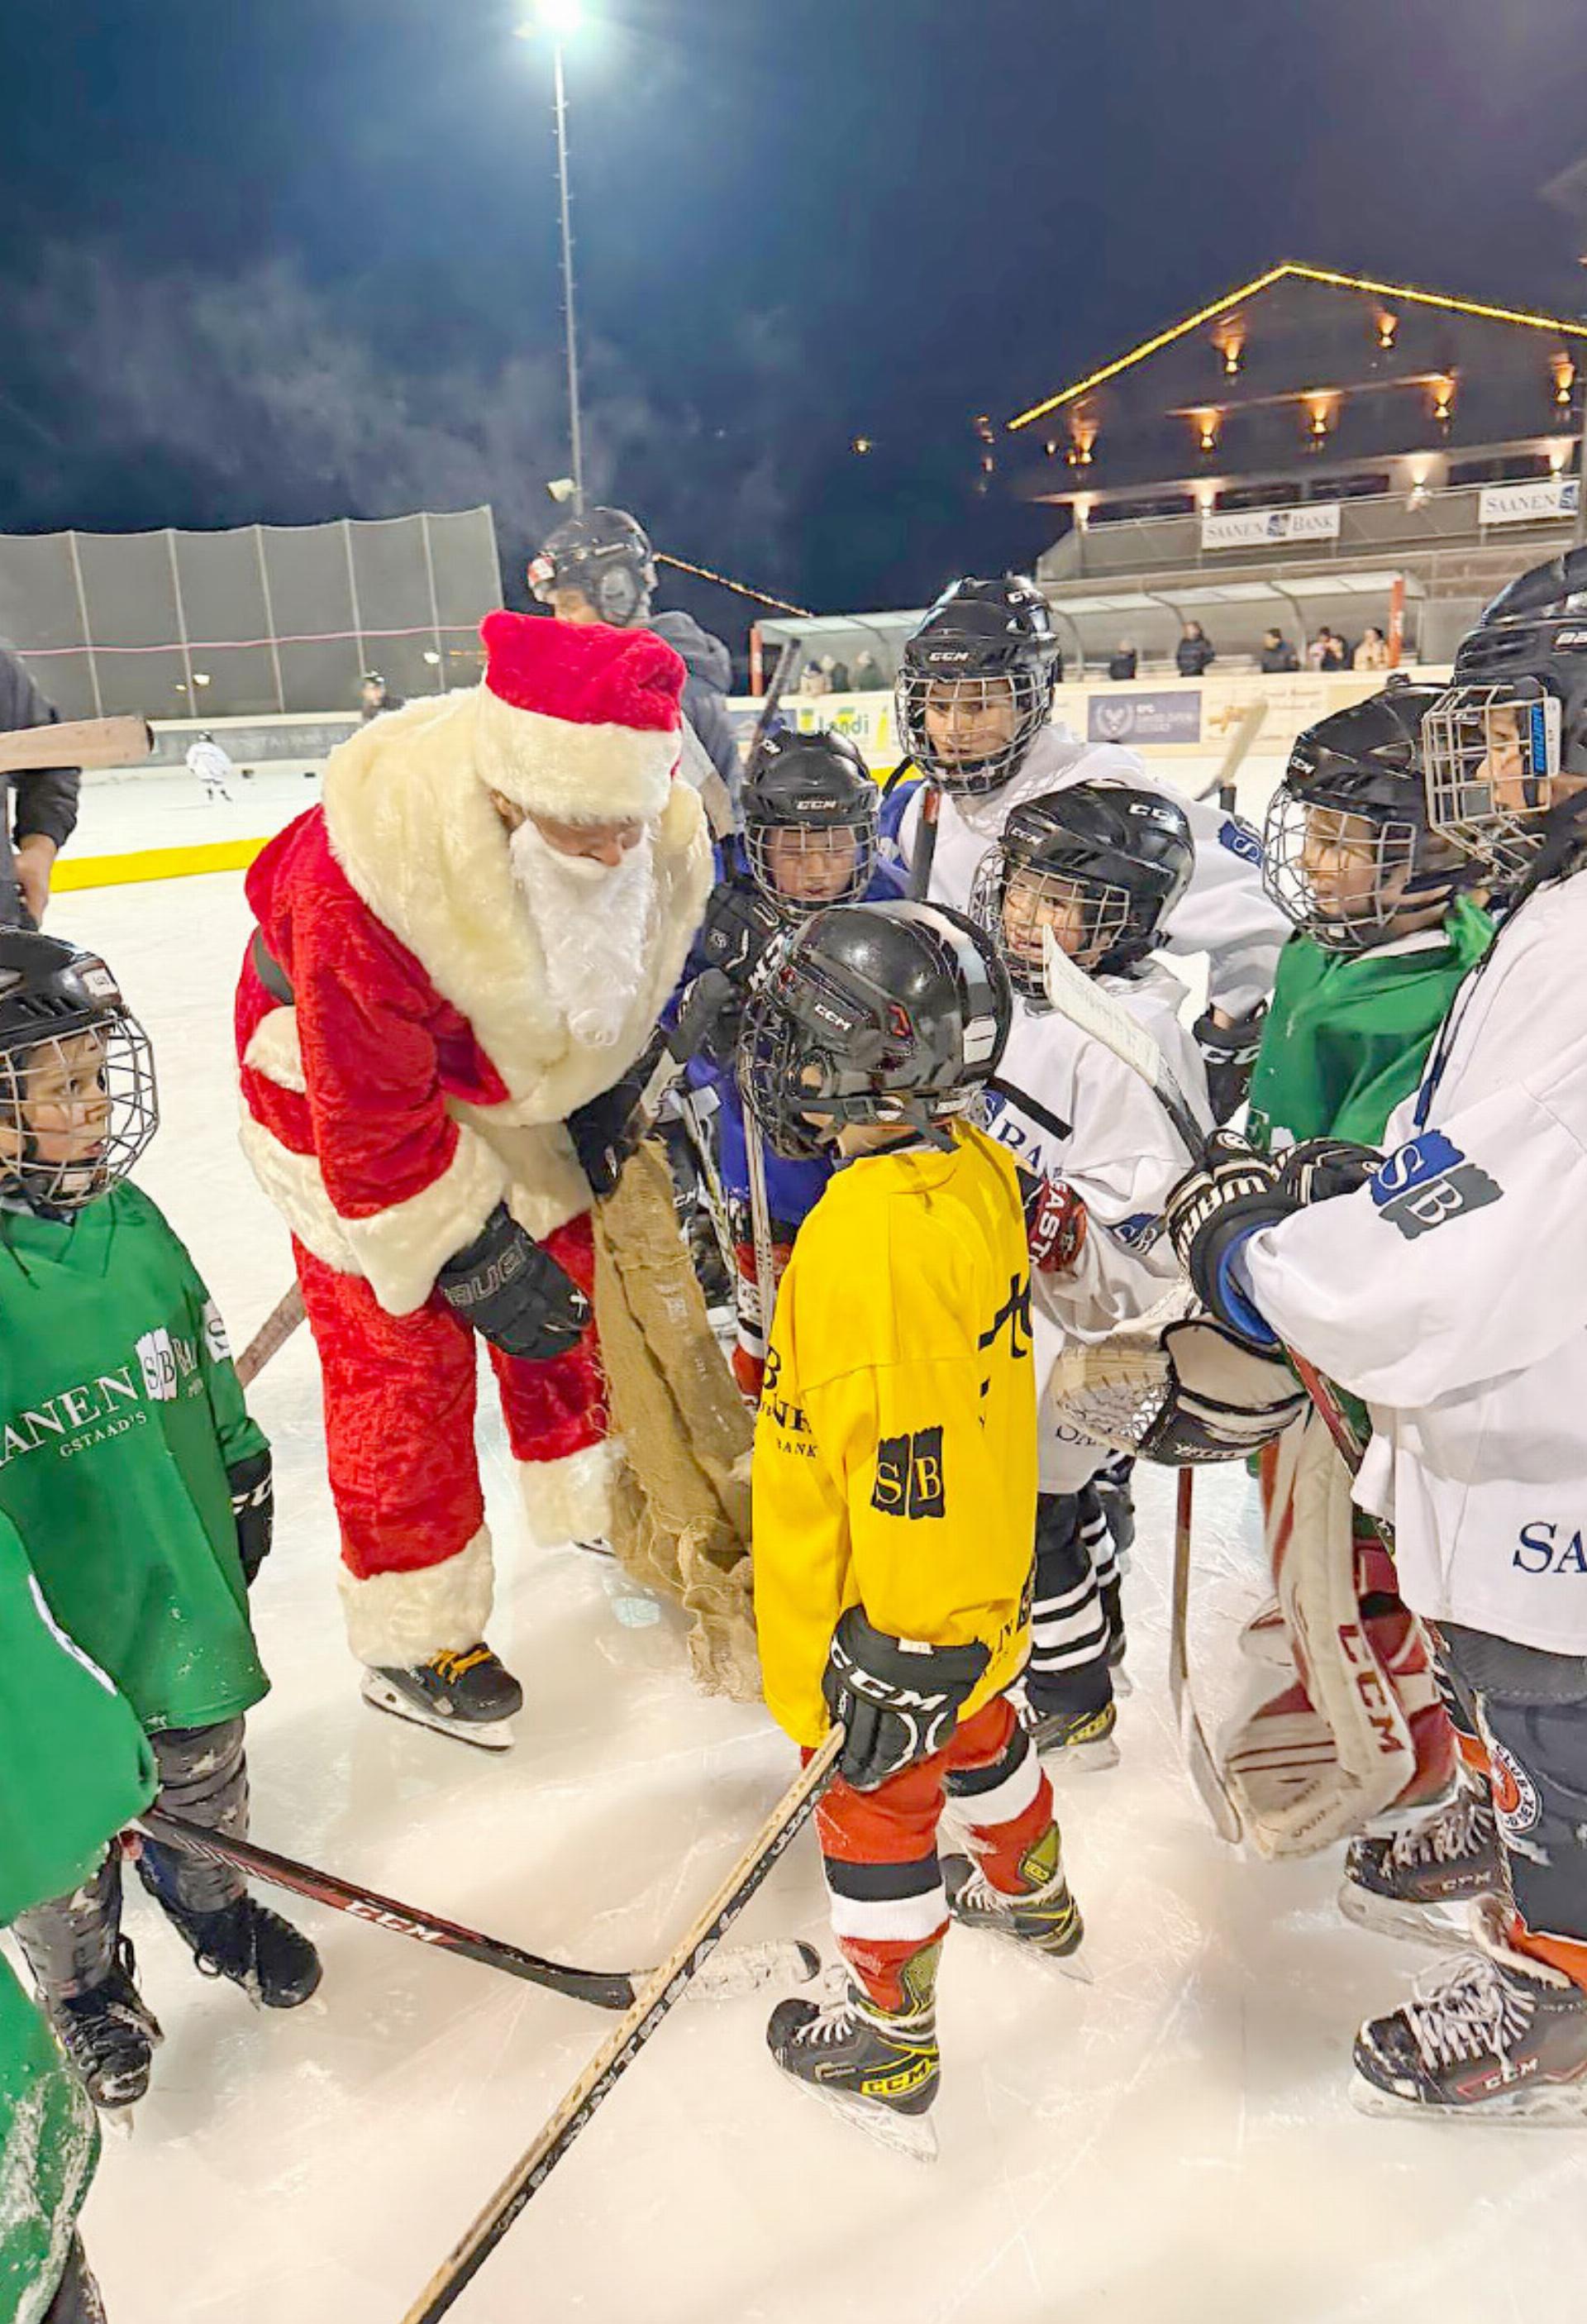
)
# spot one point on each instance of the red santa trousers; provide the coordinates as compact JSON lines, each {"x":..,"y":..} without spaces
{"x":879,"y":1848}
{"x":399,"y":1422}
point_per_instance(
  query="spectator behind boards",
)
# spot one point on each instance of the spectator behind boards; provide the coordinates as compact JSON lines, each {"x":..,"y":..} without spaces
{"x":45,"y":811}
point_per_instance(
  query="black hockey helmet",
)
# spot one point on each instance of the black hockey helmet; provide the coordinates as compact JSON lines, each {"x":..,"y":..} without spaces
{"x":75,"y":1113}
{"x":811,"y":813}
{"x":1513,"y":718}
{"x":871,"y":1013}
{"x":1347,"y":852}
{"x":984,"y":663}
{"x":606,"y":556}
{"x":1101,"y":863}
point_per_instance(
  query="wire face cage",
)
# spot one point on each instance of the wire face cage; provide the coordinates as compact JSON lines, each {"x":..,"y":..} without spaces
{"x":1015,"y":902}
{"x":1342,"y":876}
{"x":1491,"y":753}
{"x":802,"y":867}
{"x":77,"y":1110}
{"x":970,"y":734}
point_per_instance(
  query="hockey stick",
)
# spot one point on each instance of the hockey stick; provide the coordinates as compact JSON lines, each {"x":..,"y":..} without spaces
{"x":924,"y":854}
{"x":737,"y":1971}
{"x":273,"y":1335}
{"x":76,"y":743}
{"x":1200,"y":1764}
{"x":761,"y":1226}
{"x":629,"y":2037}
{"x":1239,"y":746}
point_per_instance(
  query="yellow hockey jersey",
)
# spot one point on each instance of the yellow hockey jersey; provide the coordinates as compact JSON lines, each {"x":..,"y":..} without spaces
{"x":895,"y":1447}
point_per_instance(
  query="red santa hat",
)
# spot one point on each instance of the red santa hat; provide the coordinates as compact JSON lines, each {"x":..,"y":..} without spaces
{"x":577,"y":721}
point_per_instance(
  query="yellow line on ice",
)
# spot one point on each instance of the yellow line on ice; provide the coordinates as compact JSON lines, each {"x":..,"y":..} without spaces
{"x":154,"y":863}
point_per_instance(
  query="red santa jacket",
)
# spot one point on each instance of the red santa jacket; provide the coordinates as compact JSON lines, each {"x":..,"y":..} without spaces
{"x":421,"y":1074}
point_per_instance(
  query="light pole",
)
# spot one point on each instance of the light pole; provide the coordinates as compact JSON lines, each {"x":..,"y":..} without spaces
{"x":560,"y":19}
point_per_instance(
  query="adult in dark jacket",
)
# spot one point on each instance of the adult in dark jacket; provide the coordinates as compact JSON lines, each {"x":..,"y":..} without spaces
{"x":705,"y":693}
{"x":1124,"y":661}
{"x":1194,"y":652}
{"x":1277,"y":654}
{"x":45,"y":813}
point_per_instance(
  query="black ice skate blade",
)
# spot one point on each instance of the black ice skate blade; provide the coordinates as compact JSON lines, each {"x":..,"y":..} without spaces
{"x":1441,"y":1928}
{"x":484,"y":1734}
{"x":1077,"y":1759}
{"x":1549,"y":2106}
{"x":912,"y":2135}
{"x":1072,"y":1964}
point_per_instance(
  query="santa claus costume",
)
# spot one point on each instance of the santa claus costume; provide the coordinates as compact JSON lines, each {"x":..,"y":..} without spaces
{"x":436,"y":985}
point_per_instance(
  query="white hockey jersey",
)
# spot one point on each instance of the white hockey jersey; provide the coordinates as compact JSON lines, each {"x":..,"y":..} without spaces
{"x":1224,"y":913}
{"x":1121,"y":1158}
{"x":1451,"y":1292}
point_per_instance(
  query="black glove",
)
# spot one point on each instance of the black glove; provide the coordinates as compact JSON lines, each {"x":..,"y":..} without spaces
{"x":1318,"y":1168}
{"x":252,"y":1511}
{"x":1228,"y":1052}
{"x":896,"y":1701}
{"x":513,"y":1293}
{"x":1231,"y":1193}
{"x":607,"y":1129}
{"x":740,"y":922}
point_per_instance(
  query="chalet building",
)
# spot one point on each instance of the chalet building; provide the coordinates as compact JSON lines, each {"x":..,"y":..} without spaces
{"x":1312,"y":448}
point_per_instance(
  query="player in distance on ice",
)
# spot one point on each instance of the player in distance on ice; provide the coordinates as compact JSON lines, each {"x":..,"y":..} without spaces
{"x":895,"y":1481}
{"x":1450,"y":1290}
{"x":1102,"y":865}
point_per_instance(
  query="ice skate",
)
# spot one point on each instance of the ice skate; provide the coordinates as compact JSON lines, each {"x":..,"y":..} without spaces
{"x":1074,"y":1738}
{"x":877,"y":2069}
{"x":469,"y":1694}
{"x":1494,"y":2036}
{"x":273,"y":1963}
{"x":1426,"y":1881}
{"x":1045,"y":1919}
{"x":109,"y":2033}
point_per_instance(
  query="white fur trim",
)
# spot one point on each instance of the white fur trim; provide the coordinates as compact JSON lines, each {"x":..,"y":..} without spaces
{"x":575,"y":774}
{"x":570,"y":1500}
{"x":400,"y":1250}
{"x":411,"y":823}
{"x":402,"y":1618}
{"x":276,"y":1053}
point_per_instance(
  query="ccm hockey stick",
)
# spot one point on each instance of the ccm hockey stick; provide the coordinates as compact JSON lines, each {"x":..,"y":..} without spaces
{"x":735,"y":1972}
{"x":1084,"y":1004}
{"x":76,"y":743}
{"x":629,"y":2037}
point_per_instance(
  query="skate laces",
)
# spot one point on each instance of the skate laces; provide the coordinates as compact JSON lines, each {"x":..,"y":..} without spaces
{"x":449,"y":1667}
{"x":1463,"y":1829}
{"x":1469,"y":2009}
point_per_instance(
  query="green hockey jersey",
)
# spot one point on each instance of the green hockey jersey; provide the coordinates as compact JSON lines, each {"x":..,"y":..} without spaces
{"x":75,"y":1767}
{"x":120,"y":1413}
{"x":1348,"y":1034}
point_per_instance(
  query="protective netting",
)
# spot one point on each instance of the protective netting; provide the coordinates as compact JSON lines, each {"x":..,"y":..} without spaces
{"x":682,"y":1502}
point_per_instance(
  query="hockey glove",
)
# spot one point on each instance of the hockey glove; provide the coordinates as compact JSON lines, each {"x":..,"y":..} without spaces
{"x":739,"y":924}
{"x":1228,"y":1052}
{"x":252,"y":1511}
{"x":1055,"y":1223}
{"x":1233,"y":1192}
{"x":896,"y":1701}
{"x":607,"y":1129}
{"x":513,"y":1293}
{"x":1318,"y":1168}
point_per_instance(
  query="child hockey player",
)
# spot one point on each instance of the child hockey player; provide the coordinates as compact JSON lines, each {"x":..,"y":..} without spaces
{"x":1450,"y":1290}
{"x":895,"y":1481}
{"x":140,"y":1485}
{"x":75,"y":1767}
{"x":1103,"y":865}
{"x":810,"y":808}
{"x":975,"y":704}
{"x":1387,"y":926}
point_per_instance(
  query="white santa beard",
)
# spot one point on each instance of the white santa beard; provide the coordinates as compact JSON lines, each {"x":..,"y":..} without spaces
{"x":594,"y":922}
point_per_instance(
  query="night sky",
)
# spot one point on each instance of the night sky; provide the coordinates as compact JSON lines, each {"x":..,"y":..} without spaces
{"x":293,"y":259}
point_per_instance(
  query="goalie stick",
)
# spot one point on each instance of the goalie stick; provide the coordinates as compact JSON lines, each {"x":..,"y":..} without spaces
{"x":1239,"y":746}
{"x":1202,"y":1767}
{"x":738,"y":1971}
{"x":629,"y":2037}
{"x":76,"y":743}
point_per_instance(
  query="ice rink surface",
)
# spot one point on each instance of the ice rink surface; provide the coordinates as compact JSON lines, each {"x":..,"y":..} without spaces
{"x":1170,"y":2144}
